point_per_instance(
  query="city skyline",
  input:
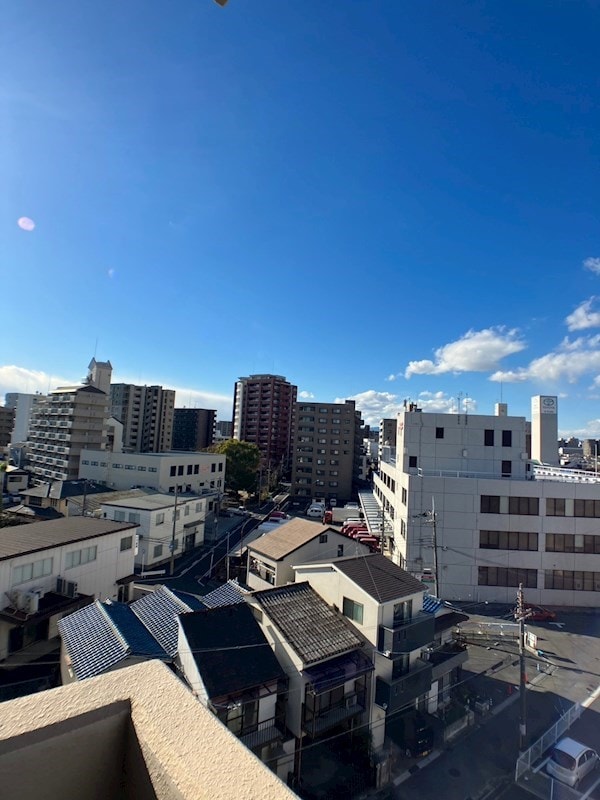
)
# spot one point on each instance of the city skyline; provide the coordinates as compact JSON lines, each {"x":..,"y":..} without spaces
{"x":379,"y":202}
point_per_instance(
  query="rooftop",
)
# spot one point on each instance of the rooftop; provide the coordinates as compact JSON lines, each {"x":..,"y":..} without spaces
{"x":137,"y":734}
{"x":379,"y":577}
{"x":226,"y":595}
{"x":230,"y":650}
{"x":287,"y":538}
{"x":22,"y":539}
{"x":158,"y":611}
{"x":314,"y":630}
{"x":149,"y":502}
{"x":59,"y":490}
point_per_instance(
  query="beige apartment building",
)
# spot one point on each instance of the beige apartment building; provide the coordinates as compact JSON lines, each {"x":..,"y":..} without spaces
{"x":326,"y":449}
{"x":146,"y":413}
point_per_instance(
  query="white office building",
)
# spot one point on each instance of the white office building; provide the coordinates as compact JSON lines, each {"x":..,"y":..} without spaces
{"x":469,"y":508}
{"x":191,"y":473}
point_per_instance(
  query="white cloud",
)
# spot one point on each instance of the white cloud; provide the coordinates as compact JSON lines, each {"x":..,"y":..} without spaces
{"x":476,"y":351}
{"x":391,"y":377}
{"x":583,"y":316}
{"x":21,"y":379}
{"x":111,"y":272}
{"x":593,"y":264}
{"x":570,"y":361}
{"x":376,"y":406}
{"x":306,"y":395}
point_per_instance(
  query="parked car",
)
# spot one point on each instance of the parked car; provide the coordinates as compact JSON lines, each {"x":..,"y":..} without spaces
{"x":539,"y":614}
{"x":277,"y":515}
{"x":571,"y":761}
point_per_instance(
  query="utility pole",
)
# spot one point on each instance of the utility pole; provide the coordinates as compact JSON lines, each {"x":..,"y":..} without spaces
{"x":520,"y":615}
{"x":172,"y":548}
{"x":430,"y":518}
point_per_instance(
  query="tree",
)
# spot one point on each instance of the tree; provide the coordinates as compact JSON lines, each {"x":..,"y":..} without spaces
{"x":242,"y":463}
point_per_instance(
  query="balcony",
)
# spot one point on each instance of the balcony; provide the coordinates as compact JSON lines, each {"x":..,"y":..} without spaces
{"x":446,"y":658}
{"x":406,"y":635}
{"x":324,"y":718}
{"x":270,"y":730}
{"x":394,"y":695}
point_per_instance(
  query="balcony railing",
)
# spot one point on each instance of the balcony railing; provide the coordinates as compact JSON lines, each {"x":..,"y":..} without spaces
{"x":407,"y":635}
{"x":317,"y":721}
{"x":446,"y":658}
{"x":263,"y":733}
{"x":393,"y":695}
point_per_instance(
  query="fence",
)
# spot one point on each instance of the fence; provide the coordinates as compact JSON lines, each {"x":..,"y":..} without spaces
{"x":527,"y":759}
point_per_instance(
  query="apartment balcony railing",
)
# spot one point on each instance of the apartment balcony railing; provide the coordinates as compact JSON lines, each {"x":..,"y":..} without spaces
{"x":265,"y":732}
{"x":445,"y":658}
{"x":395,"y":694}
{"x":318,"y":721}
{"x":407,"y":635}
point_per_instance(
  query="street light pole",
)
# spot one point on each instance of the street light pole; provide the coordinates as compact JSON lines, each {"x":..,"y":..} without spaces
{"x":172,"y":566}
{"x":520,"y":615}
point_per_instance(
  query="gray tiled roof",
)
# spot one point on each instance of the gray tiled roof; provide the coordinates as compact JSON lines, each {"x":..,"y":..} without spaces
{"x":314,"y":630}
{"x":23,"y":539}
{"x":227,"y":595}
{"x":158,"y":611}
{"x":379,"y":577}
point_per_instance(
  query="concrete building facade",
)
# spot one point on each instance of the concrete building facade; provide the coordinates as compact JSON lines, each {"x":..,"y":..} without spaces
{"x":326,"y":450}
{"x":66,"y":421}
{"x":147,"y":416}
{"x":262,"y":414}
{"x":192,"y":473}
{"x":193,"y":428}
{"x":468,"y":506}
{"x":23,"y":405}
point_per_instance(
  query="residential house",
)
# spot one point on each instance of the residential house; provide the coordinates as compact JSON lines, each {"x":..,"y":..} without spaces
{"x":109,"y":635}
{"x":389,"y":608}
{"x":49,"y":569}
{"x":135,"y":735}
{"x":59,"y":494}
{"x":272,"y":557}
{"x":231,"y":668}
{"x":327,"y":662}
{"x":167,"y":525}
{"x":13,"y":480}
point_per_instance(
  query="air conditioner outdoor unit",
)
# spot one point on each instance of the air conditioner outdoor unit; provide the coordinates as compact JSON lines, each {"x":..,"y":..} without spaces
{"x":351,"y":701}
{"x":31,"y":602}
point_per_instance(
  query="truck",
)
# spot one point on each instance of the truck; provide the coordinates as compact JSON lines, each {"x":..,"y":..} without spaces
{"x":340,"y":515}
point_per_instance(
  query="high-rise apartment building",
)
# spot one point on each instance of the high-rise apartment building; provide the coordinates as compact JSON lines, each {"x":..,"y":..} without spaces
{"x":262,"y":414}
{"x":193,"y":428}
{"x":66,"y":421}
{"x":327,"y":447}
{"x":224,"y":429}
{"x":7,"y":421}
{"x":147,"y":416}
{"x":23,"y":405}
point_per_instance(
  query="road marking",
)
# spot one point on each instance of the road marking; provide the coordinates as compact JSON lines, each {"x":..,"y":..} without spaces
{"x":543,"y":764}
{"x":590,"y":790}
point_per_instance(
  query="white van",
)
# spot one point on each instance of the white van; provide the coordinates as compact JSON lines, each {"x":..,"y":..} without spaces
{"x":315,"y":512}
{"x":571,"y":761}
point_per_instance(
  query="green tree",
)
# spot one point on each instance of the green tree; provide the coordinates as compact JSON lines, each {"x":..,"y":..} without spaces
{"x":242,"y":463}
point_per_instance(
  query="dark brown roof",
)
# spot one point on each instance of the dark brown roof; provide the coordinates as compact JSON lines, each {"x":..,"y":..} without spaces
{"x":22,"y":539}
{"x":379,"y":577}
{"x":314,"y":630}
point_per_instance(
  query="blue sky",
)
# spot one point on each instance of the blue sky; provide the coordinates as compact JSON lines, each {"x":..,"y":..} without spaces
{"x":379,"y":200}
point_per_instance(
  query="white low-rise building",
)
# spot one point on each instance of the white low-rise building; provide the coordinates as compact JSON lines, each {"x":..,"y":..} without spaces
{"x":157,"y":537}
{"x":194,"y":473}
{"x":49,"y":569}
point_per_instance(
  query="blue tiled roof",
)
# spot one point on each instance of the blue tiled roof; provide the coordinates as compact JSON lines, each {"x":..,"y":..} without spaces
{"x":158,"y":611}
{"x":93,"y":643}
{"x":193,"y":602}
{"x":431,"y":603}
{"x":227,"y":595}
{"x":140,"y":640}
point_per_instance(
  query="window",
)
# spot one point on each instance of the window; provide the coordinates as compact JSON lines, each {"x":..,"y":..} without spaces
{"x":412,"y":462}
{"x":555,"y":507}
{"x":490,"y":504}
{"x":576,"y":580}
{"x":572,"y":543}
{"x":126,"y":543}
{"x":507,"y":576}
{"x":220,"y":466}
{"x":173,"y":472}
{"x":506,"y":438}
{"x":403,"y":611}
{"x":152,"y":469}
{"x":404,"y":494}
{"x":340,"y":550}
{"x":118,"y":466}
{"x":439,"y":433}
{"x":352,"y":610}
{"x":587,"y":508}
{"x":158,"y":550}
{"x":333,"y":462}
{"x":35,"y":569}
{"x":323,"y":538}
{"x":160,"y":518}
{"x":175,"y":514}
{"x":506,"y":469}
{"x":199,"y":506}
{"x":524,"y":505}
{"x":94,"y":463}
{"x":119,"y":516}
{"x":488,"y":437}
{"x":141,"y":469}
{"x":77,"y":557}
{"x":508,"y":540}
{"x":186,"y":510}
{"x":129,"y":466}
{"x":333,"y":484}
{"x":321,"y":430}
{"x":133,"y":517}
{"x":180,"y":469}
{"x":190,"y":469}
{"x":213,"y":467}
